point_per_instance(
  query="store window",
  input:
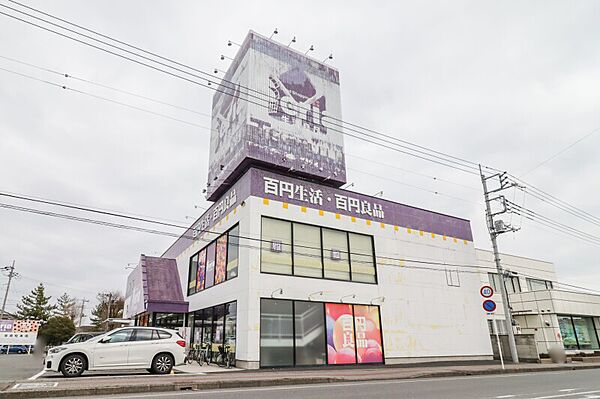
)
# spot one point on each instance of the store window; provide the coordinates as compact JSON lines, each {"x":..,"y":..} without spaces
{"x":230,"y":325}
{"x":307,"y":251}
{"x":309,"y":333}
{"x":536,"y":284}
{"x":276,"y":254}
{"x":276,"y":333}
{"x":335,"y":254}
{"x":218,"y":329}
{"x":361,"y":258}
{"x":168,"y":320}
{"x":312,"y":251}
{"x":233,"y":244}
{"x":209,"y":279}
{"x":215,"y":326}
{"x":312,"y":333}
{"x":216,"y":263}
{"x":193,"y":274}
{"x":578,"y":333}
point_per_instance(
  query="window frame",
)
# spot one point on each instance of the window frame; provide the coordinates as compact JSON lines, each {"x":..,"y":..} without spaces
{"x":323,"y":304}
{"x":205,"y":249}
{"x":349,"y":253}
{"x":571,"y":318}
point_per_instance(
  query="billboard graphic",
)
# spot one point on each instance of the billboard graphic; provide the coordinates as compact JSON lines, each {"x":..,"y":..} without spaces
{"x":281,"y":109}
{"x":368,"y":334}
{"x":340,"y":334}
{"x":18,"y":332}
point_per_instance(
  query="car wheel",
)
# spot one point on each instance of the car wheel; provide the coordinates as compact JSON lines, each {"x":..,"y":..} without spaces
{"x":72,"y":365}
{"x":162,"y":363}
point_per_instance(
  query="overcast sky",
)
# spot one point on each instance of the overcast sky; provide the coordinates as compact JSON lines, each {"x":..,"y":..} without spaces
{"x":507,"y":84}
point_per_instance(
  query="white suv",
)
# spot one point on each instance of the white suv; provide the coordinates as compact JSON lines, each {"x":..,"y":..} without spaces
{"x":154,"y":349}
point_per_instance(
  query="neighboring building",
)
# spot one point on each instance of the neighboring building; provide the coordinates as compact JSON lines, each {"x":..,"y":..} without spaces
{"x":557,"y":317}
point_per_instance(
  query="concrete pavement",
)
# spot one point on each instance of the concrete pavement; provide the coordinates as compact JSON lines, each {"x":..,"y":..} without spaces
{"x":146,"y":383}
{"x":581,"y":384}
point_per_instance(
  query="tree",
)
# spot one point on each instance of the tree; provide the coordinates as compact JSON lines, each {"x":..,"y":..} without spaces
{"x":66,"y":307}
{"x":36,"y":305}
{"x":109,"y":300}
{"x":57,"y":330}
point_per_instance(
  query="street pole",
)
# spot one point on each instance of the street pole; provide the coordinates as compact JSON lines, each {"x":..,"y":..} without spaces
{"x":11,"y":274}
{"x":493,"y":235}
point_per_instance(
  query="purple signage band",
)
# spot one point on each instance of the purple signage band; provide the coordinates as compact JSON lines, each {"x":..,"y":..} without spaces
{"x":264,"y":184}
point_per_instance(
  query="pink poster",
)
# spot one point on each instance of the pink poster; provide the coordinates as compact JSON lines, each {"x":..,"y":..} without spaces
{"x":221,"y":265}
{"x":201,"y":270}
{"x":340,"y":334}
{"x":368,"y":334}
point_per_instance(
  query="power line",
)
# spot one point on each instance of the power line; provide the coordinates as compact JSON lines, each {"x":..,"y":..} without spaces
{"x":478,"y":268}
{"x":104,"y":98}
{"x":545,"y":161}
{"x":424,"y":156}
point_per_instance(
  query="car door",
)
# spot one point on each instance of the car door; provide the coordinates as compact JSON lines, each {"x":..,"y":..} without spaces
{"x":142,"y":347}
{"x":112,"y":350}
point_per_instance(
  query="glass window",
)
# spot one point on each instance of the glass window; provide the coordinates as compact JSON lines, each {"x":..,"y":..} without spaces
{"x":309,"y":333}
{"x":209,"y":278}
{"x":145,"y":335}
{"x":218,"y":329}
{"x":586,"y":333}
{"x":168,"y":320}
{"x":276,"y":253}
{"x":201,"y":270}
{"x":307,"y":251}
{"x":207,"y":318}
{"x":276,"y":333}
{"x":335,"y":254}
{"x":361,"y":258}
{"x":230,"y":325}
{"x":536,"y":285}
{"x":513,"y":284}
{"x":221,"y":262}
{"x":369,"y":348}
{"x":233,"y":252}
{"x":193,"y":274}
{"x":340,"y":334}
{"x":197,"y":333}
{"x":163,"y":334}
{"x":121,"y":335}
{"x":568,"y":332}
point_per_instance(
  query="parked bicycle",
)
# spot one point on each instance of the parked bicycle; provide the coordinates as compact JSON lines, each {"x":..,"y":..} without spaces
{"x":193,"y":355}
{"x":205,"y":354}
{"x":225,"y":358}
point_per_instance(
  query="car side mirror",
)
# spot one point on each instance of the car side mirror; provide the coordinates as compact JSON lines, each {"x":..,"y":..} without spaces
{"x":105,"y":340}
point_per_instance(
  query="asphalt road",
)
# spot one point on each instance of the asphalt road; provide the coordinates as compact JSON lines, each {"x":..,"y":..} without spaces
{"x":580,"y":384}
{"x":19,"y":367}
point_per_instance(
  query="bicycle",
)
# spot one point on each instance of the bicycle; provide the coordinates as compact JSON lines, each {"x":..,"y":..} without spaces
{"x":225,"y":358}
{"x":192,"y":355}
{"x":205,"y":354}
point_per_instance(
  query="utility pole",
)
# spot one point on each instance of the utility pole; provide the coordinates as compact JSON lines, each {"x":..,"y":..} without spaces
{"x":11,"y":274}
{"x":83,"y":301}
{"x":495,"y":230}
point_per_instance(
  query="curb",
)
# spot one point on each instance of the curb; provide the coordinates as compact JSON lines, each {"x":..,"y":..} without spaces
{"x":282,"y":381}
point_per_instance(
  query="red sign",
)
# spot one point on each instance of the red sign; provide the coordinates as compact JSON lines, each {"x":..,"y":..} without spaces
{"x":486,"y":291}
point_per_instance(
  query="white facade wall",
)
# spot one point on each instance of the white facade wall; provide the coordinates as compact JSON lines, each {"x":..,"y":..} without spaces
{"x":423,"y":317}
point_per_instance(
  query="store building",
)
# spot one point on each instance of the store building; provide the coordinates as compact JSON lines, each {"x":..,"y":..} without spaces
{"x":288,"y":269}
{"x":557,"y":317}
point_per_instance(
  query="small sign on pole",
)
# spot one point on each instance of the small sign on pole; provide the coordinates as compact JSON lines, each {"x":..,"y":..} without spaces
{"x":490,"y":308}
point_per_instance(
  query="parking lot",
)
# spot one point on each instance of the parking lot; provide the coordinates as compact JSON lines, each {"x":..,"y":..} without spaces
{"x":19,"y":367}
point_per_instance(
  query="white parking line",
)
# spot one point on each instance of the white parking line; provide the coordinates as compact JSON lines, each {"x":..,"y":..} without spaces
{"x":33,"y":377}
{"x":564,"y":395}
{"x":505,"y":396}
{"x":567,"y":390}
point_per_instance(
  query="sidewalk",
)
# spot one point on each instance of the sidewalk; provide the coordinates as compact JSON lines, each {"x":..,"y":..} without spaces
{"x":96,"y":385}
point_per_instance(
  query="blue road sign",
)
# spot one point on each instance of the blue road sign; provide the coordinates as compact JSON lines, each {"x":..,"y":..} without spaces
{"x":489,"y":305}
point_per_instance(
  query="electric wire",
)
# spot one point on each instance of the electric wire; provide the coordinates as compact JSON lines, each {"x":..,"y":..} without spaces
{"x":385,"y":144}
{"x":233,"y":84}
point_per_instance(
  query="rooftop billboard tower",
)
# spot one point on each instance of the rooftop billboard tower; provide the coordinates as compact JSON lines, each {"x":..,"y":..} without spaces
{"x":278,"y":109}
